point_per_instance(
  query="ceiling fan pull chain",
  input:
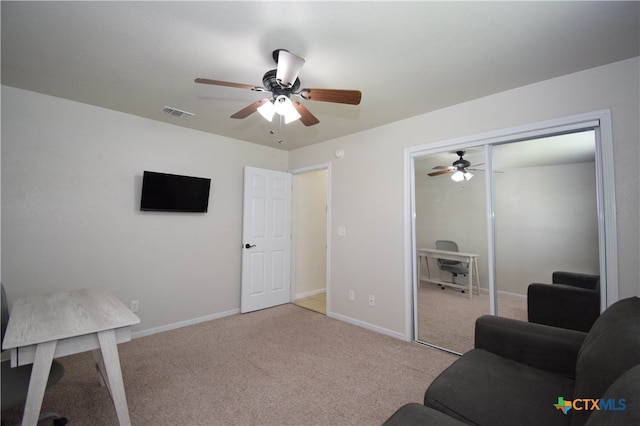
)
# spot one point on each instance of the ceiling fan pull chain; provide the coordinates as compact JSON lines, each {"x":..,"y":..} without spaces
{"x":280,"y":131}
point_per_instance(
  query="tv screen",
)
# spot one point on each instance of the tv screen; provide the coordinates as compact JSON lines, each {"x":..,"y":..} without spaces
{"x":174,"y":193}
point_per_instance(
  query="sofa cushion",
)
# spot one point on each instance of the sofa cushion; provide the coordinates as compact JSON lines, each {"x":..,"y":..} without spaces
{"x":482,"y":388}
{"x":611,"y":347}
{"x":626,"y":410}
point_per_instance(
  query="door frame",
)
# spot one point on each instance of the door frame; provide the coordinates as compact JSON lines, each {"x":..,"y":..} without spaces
{"x":600,"y":121}
{"x":294,"y":173}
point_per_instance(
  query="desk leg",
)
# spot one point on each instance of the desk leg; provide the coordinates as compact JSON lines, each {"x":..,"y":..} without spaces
{"x":470,"y":283}
{"x":475,"y":266}
{"x":426,"y":264}
{"x":111,"y":362}
{"x":97,"y":357}
{"x":38,"y":382}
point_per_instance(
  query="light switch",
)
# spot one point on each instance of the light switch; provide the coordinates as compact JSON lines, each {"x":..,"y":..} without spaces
{"x":342,"y":231}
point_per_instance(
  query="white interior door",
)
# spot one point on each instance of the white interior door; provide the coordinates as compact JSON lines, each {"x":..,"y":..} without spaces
{"x":266,"y":236}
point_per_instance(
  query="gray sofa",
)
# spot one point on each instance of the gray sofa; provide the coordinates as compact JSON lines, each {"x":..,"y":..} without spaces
{"x":519,"y":370}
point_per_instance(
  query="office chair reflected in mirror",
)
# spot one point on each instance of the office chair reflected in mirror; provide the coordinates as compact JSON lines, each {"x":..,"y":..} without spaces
{"x":453,"y":266}
{"x":15,"y":381}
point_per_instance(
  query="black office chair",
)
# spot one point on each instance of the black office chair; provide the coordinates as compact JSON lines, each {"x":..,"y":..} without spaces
{"x":15,"y":381}
{"x":453,"y":266}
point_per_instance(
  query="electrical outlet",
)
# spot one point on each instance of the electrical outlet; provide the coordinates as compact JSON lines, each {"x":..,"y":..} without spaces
{"x":372,"y":300}
{"x":135,"y":305}
{"x":352,"y":295}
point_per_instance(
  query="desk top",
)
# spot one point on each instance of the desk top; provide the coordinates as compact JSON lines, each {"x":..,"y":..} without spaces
{"x":53,"y":316}
{"x":445,"y":253}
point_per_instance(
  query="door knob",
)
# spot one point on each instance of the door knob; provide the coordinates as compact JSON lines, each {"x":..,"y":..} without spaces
{"x":248,"y":246}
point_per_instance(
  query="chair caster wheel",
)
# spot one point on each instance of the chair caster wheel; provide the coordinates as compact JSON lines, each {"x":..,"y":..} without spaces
{"x":62,"y":421}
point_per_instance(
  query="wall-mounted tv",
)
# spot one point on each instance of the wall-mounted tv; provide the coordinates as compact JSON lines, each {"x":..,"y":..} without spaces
{"x":174,"y":193}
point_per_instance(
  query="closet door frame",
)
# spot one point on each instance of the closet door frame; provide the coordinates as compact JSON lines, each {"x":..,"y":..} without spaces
{"x":599,"y":121}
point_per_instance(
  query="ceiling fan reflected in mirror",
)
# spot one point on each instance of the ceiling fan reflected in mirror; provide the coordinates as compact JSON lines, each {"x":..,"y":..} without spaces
{"x":459,"y":169}
{"x":283,"y":84}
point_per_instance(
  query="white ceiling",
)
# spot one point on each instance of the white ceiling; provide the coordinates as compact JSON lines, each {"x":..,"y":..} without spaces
{"x":407,"y":58}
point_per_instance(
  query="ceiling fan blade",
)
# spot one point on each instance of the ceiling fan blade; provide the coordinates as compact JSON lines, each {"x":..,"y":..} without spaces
{"x":245,"y":112}
{"x":441,"y":172}
{"x":227,"y":83}
{"x":441,"y":167}
{"x":351,"y":97}
{"x":289,"y":66}
{"x":483,"y":170}
{"x":307,"y":118}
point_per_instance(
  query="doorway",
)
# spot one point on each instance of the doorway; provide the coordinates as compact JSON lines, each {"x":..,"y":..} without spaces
{"x":310,"y":245}
{"x":492,"y":247}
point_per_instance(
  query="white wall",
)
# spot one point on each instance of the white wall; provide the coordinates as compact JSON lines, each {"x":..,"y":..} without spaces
{"x":72,"y":175}
{"x":311,"y":233}
{"x":368,"y":187}
{"x":546,"y":221}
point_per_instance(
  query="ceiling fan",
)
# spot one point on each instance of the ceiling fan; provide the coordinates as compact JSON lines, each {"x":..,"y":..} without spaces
{"x":283,"y":84}
{"x":460,"y":169}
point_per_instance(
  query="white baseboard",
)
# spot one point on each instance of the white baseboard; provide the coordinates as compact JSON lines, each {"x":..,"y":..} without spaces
{"x":369,"y":326}
{"x":348,"y":320}
{"x":180,"y":324}
{"x":310,"y":293}
{"x":512,"y":295}
{"x":506,"y":294}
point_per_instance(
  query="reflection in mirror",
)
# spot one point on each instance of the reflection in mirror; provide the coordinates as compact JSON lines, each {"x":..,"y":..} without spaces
{"x":450,"y":210}
{"x":545,"y":218}
{"x":546,"y":221}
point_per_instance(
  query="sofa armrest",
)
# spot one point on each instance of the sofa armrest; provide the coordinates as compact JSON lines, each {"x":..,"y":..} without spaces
{"x":591,"y":282}
{"x":563,"y":306}
{"x":540,"y":346}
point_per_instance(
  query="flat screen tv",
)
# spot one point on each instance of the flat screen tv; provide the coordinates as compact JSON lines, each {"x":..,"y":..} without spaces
{"x":174,"y":193}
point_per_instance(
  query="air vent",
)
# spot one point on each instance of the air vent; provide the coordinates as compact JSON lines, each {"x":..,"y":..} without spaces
{"x":178,"y":113}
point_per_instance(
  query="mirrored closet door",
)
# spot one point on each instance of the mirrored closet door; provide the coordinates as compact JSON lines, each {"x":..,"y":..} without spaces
{"x":533,"y":214}
{"x":450,"y":216}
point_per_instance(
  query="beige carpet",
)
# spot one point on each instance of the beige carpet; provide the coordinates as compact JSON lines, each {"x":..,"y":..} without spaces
{"x":446,"y":318}
{"x":281,"y":366}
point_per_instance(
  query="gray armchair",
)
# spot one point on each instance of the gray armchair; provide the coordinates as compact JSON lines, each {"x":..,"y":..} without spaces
{"x":518,"y":371}
{"x":572,"y":301}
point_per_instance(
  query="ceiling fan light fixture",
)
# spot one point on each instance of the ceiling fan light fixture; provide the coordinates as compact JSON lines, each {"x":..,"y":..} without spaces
{"x":289,"y":66}
{"x":460,"y":175}
{"x":285,"y":108}
{"x":291,"y":116}
{"x":457,"y":176}
{"x":267,"y":110}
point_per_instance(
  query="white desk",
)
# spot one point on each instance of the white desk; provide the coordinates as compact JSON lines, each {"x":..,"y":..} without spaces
{"x":46,"y":326}
{"x":469,"y":258}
